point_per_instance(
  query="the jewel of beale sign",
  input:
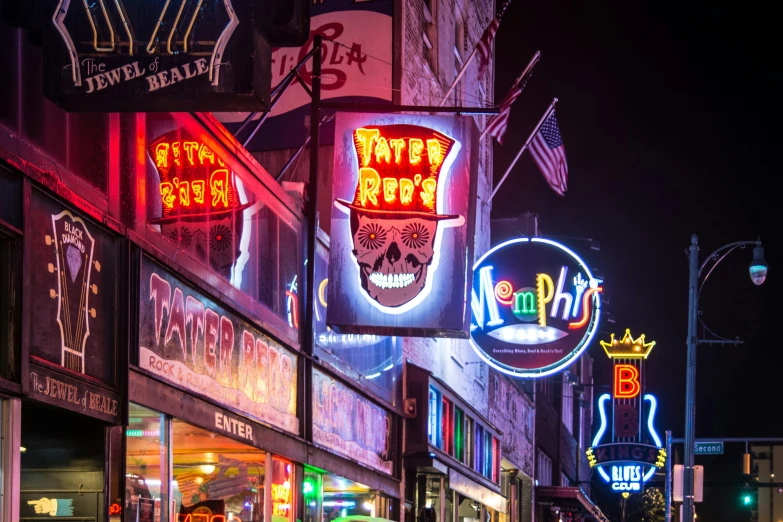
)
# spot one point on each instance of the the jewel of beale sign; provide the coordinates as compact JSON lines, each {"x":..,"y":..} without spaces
{"x":535,"y":307}
{"x":156,"y":55}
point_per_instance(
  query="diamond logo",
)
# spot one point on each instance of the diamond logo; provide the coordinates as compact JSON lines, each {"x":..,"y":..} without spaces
{"x":74,"y":258}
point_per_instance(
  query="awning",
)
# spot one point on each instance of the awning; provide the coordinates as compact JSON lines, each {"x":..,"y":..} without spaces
{"x":570,"y":499}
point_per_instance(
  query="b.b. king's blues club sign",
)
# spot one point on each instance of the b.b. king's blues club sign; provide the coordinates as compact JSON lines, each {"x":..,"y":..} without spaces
{"x":626,"y":449}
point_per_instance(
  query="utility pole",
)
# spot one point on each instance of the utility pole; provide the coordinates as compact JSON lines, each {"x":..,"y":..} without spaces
{"x":668,"y":488}
{"x":690,"y":382}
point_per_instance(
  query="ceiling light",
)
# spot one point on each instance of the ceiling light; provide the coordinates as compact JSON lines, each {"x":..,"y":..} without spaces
{"x":206,"y":469}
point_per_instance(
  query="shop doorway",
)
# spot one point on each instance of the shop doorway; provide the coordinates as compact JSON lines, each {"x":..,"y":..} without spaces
{"x":62,"y":464}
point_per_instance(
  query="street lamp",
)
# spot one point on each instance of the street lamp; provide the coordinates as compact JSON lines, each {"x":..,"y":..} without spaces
{"x":758,"y":273}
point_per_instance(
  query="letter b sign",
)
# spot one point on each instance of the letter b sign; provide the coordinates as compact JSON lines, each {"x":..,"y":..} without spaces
{"x":626,"y":421}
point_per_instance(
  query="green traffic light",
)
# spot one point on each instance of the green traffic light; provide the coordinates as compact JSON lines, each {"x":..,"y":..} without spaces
{"x":747,"y":499}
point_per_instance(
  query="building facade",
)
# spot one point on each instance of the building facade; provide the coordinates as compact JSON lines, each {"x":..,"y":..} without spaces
{"x":767,"y":464}
{"x":152,"y":352}
{"x":152,"y":360}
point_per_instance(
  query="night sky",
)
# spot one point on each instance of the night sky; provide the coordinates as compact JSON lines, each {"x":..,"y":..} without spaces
{"x":668,"y":114}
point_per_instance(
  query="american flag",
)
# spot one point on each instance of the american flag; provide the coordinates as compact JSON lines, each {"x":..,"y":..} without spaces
{"x":549,"y":154}
{"x":498,"y":124}
{"x":484,"y":45}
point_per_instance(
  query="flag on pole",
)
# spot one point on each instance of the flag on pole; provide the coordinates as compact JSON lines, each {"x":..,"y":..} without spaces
{"x":484,"y":45}
{"x":498,"y":124}
{"x":548,"y":152}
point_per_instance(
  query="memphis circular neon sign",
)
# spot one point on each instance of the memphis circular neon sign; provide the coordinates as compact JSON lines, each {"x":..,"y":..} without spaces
{"x":535,"y":305}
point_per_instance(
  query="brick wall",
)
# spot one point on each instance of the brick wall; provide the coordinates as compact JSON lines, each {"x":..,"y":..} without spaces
{"x":424,"y":80}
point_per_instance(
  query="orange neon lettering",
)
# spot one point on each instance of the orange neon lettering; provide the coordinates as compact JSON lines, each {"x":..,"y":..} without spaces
{"x":176,"y":151}
{"x":434,"y":152}
{"x":365,"y":139}
{"x":162,"y":155}
{"x":190,"y":147}
{"x":406,"y":191}
{"x":417,"y":179}
{"x":221,"y":163}
{"x":206,"y":153}
{"x":382,"y":151}
{"x":218,"y":186}
{"x":414,"y":153}
{"x":626,"y":381}
{"x":369,"y":185}
{"x":428,"y":194}
{"x":167,"y":194}
{"x":198,"y":191}
{"x":389,"y":189}
{"x":184,"y":193}
{"x":585,"y":308}
{"x":397,"y":144}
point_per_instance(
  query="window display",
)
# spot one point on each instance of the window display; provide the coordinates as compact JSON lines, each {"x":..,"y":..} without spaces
{"x":221,"y":217}
{"x":209,"y":474}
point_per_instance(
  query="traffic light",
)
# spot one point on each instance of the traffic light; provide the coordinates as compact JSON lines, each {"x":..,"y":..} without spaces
{"x":748,"y":497}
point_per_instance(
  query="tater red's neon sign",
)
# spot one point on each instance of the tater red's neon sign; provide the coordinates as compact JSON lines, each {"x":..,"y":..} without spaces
{"x":408,"y":180}
{"x":197,"y":177}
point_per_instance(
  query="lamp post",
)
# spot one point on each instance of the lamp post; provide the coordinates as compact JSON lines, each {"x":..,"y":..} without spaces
{"x":758,"y":273}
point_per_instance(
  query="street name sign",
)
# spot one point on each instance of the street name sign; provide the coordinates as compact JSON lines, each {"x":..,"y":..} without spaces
{"x":708,"y":448}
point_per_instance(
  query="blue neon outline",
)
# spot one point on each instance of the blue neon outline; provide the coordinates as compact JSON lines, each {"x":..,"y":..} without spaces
{"x":603,"y":474}
{"x":653,"y":407}
{"x":576,"y":352}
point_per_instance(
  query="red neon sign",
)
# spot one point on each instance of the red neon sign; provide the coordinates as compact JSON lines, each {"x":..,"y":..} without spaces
{"x":194,"y":181}
{"x":399,"y":166}
{"x":626,"y":381}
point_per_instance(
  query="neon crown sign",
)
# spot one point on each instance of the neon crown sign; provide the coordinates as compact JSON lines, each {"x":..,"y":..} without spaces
{"x":632,"y":452}
{"x":535,"y":307}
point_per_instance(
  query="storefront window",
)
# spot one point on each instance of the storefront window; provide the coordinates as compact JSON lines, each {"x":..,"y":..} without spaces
{"x":283,"y":501}
{"x":344,"y":498}
{"x":226,"y":220}
{"x":468,"y":510}
{"x":433,"y":426}
{"x":447,"y":435}
{"x":313,"y":494}
{"x":147,"y":465}
{"x":216,"y":475}
{"x":459,"y":430}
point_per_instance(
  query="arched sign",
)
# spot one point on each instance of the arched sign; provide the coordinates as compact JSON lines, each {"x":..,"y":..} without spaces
{"x":535,"y":307}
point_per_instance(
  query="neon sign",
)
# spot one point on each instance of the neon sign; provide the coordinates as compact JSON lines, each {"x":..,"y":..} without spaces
{"x":393,"y":216}
{"x":633,"y":450}
{"x":402,"y":226}
{"x":202,"y":203}
{"x":535,"y":307}
{"x":626,"y":381}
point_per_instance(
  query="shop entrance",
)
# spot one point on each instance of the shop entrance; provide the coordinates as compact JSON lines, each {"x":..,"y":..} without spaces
{"x":62,"y":465}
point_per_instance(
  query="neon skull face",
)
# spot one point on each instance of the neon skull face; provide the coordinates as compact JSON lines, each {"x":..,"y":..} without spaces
{"x":393,"y":255}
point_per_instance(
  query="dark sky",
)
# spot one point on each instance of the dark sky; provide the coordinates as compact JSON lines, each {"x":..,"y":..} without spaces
{"x":668,"y":113}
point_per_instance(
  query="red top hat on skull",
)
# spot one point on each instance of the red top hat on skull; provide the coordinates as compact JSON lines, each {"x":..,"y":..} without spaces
{"x":399,"y":171}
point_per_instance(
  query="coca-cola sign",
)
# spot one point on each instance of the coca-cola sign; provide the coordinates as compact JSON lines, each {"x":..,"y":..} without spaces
{"x":189,"y":340}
